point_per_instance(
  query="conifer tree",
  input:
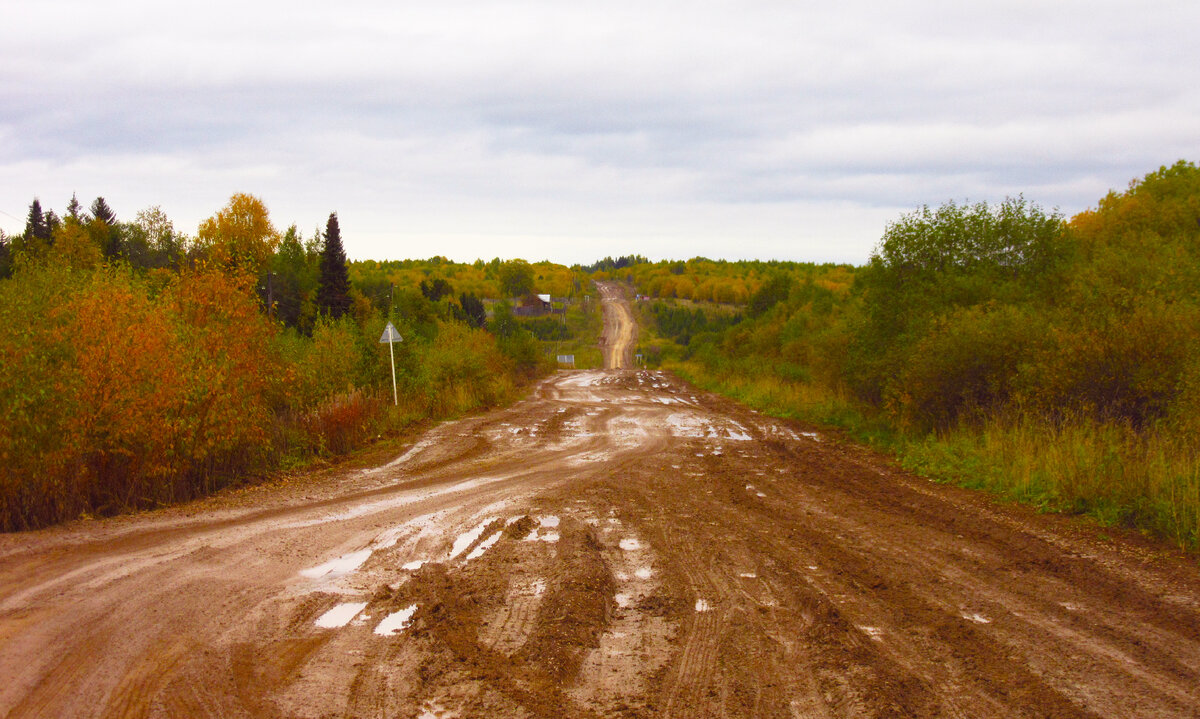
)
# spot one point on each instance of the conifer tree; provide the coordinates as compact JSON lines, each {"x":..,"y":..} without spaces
{"x":5,"y":256}
{"x":333,"y":289}
{"x":75,"y":210}
{"x":36,"y":227}
{"x":101,"y":211}
{"x":53,"y":222}
{"x":104,"y":230}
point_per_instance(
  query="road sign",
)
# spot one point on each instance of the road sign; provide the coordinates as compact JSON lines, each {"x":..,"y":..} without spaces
{"x":390,"y":335}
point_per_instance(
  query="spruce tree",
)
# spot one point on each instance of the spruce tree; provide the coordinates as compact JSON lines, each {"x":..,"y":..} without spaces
{"x":5,"y":256}
{"x":35,"y":225}
{"x":75,"y":210}
{"x":53,"y":222}
{"x":101,"y":211}
{"x":333,"y":289}
{"x":104,"y":230}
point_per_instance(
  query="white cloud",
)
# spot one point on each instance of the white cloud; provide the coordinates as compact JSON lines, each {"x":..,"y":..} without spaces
{"x":773,"y":129}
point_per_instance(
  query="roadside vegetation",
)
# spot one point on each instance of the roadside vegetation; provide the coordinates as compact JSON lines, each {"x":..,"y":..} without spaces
{"x":1050,"y":360}
{"x":140,"y":366}
{"x":998,"y":346}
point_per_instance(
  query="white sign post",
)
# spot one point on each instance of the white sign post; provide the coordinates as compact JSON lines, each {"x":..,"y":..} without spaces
{"x":391,"y":337}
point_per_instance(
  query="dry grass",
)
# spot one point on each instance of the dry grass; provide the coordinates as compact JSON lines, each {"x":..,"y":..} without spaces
{"x":1145,"y":479}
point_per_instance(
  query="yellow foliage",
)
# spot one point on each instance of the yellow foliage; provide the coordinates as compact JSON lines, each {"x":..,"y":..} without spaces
{"x":240,"y":235}
{"x":73,"y":247}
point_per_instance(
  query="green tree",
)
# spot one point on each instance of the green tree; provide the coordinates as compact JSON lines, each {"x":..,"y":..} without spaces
{"x":294,"y":282}
{"x":516,"y":278}
{"x":436,"y":289}
{"x":5,"y":256}
{"x":75,"y":210}
{"x":164,"y":246}
{"x":104,"y":230}
{"x":37,"y":230}
{"x":333,"y":289}
{"x":773,"y":291}
{"x":101,"y":211}
{"x":473,"y":309}
{"x":931,"y":262}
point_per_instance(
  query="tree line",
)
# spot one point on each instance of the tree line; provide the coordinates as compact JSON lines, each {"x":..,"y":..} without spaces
{"x":140,"y":365}
{"x":1053,"y":359}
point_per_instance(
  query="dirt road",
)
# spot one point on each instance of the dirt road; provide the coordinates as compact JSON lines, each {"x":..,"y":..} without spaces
{"x":620,"y":331}
{"x":619,"y":544}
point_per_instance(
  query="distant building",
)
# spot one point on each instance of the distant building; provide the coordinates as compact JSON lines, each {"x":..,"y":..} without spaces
{"x":534,"y":306}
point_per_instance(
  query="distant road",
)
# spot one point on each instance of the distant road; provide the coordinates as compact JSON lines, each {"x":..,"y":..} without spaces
{"x":620,"y":331}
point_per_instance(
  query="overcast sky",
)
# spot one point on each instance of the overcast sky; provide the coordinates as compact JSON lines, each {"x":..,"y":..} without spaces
{"x":572,"y":130}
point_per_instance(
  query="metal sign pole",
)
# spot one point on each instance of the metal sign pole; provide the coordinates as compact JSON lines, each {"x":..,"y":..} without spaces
{"x":391,"y":336}
{"x":395,"y":397}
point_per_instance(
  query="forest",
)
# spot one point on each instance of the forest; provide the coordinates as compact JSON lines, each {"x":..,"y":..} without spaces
{"x":1049,"y":360}
{"x":1055,"y":361}
{"x":141,"y":366}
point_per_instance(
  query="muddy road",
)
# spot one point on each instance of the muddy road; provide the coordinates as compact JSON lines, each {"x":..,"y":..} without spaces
{"x":620,"y":331}
{"x":618,"y":544}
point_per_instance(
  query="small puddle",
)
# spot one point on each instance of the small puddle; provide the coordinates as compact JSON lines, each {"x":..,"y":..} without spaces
{"x":702,"y":605}
{"x":396,"y":622}
{"x":629,"y":544}
{"x":873,"y":632}
{"x":340,"y":615}
{"x":336,"y":567}
{"x":485,"y":545}
{"x":466,"y":539}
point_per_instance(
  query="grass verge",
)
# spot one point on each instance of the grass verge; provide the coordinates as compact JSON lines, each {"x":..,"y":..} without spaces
{"x":1147,"y":480}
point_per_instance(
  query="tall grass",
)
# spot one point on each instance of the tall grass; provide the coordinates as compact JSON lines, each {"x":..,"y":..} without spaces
{"x":1148,"y":479}
{"x":778,"y":397}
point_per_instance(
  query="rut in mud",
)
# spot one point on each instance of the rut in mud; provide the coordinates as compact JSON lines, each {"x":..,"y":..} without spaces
{"x":616,"y":545}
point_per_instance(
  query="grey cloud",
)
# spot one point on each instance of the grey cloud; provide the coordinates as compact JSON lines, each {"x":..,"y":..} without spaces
{"x":580,"y":111}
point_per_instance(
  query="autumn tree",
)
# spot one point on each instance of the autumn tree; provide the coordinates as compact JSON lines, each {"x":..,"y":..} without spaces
{"x":333,"y":289}
{"x":74,"y":247}
{"x":240,"y":236}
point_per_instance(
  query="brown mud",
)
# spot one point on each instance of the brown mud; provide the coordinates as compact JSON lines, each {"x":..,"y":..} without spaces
{"x":618,"y":544}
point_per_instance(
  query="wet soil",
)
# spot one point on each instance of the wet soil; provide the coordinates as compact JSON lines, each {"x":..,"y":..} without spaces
{"x":618,"y":544}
